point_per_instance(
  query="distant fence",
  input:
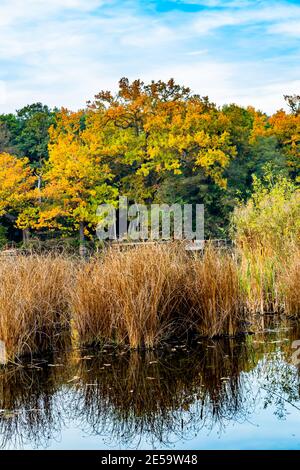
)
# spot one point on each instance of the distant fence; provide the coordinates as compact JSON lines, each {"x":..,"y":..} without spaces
{"x":196,"y":245}
{"x":11,"y":249}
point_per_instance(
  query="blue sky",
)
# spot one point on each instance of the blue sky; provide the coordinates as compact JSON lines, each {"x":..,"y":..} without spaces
{"x":62,"y":52}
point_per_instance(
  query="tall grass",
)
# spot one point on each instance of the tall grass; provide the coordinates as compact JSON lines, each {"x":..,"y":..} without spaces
{"x":33,"y":302}
{"x":146,"y":295}
{"x":130,"y":297}
{"x":259,"y":280}
{"x":140,"y":298}
{"x":290,"y":285}
{"x":270,"y":279}
{"x":214,"y":295}
{"x":267,"y":234}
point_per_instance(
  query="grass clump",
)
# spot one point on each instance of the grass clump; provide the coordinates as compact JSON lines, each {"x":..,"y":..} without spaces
{"x":33,"y":302}
{"x":147,"y":295}
{"x":129,"y":297}
{"x":267,"y":235}
{"x":214,"y":295}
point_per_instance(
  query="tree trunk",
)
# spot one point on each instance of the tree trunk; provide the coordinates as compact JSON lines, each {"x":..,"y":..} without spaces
{"x":26,"y":235}
{"x":82,"y":245}
{"x":39,"y":185}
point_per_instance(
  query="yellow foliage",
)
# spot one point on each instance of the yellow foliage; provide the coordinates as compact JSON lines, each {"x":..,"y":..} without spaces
{"x":16,"y":183}
{"x":76,"y":178}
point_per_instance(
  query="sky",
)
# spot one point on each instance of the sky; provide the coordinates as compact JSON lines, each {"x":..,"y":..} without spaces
{"x":63,"y":52}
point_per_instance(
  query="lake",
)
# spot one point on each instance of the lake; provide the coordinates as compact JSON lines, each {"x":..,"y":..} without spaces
{"x":239,"y":393}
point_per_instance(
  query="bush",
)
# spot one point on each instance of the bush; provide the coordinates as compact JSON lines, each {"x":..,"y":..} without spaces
{"x":270,"y":220}
{"x":267,"y":233}
{"x":3,"y":236}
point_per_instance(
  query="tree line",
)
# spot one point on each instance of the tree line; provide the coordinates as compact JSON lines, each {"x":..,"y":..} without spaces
{"x":154,"y":143}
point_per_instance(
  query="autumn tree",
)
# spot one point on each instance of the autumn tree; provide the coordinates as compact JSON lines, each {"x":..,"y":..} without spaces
{"x":157,"y":130}
{"x":76,"y":180}
{"x":8,"y":133}
{"x":16,"y":188}
{"x":155,"y":142}
{"x":256,"y":147}
{"x":286,"y":128}
{"x":293,"y":102}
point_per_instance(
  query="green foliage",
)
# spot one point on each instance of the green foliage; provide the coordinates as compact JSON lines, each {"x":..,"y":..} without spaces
{"x":8,"y":133}
{"x":3,"y":236}
{"x":32,"y":140}
{"x":26,"y":133}
{"x":271,"y":217}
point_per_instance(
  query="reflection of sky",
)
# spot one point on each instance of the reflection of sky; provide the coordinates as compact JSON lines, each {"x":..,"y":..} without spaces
{"x":262,"y":431}
{"x":64,"y":51}
{"x":257,"y":428}
{"x":266,"y":418}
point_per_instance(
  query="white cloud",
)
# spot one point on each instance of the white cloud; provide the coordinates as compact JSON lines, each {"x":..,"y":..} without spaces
{"x":155,"y":35}
{"x":221,"y":3}
{"x":2,"y":93}
{"x":62,"y":53}
{"x":199,"y":52}
{"x":208,"y":21}
{"x":290,"y":28}
{"x":19,"y":10}
{"x":244,"y":83}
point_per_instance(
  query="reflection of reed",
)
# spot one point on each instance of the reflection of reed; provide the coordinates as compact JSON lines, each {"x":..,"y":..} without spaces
{"x":160,"y":396}
{"x":30,"y":408}
{"x":274,"y":333}
{"x":156,"y":396}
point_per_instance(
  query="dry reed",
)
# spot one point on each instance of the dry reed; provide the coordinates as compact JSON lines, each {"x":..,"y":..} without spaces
{"x":259,"y":281}
{"x":129,"y":297}
{"x":33,"y":302}
{"x":290,"y":285}
{"x":214,"y":295}
{"x":138,"y":298}
{"x":146,"y":295}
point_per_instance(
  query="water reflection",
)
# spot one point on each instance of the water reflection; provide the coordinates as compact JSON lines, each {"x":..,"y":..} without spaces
{"x":159,"y":395}
{"x":156,"y":398}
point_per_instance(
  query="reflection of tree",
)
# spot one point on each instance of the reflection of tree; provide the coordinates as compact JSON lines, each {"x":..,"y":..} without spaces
{"x":30,"y":403}
{"x":160,"y":397}
{"x":278,"y":381}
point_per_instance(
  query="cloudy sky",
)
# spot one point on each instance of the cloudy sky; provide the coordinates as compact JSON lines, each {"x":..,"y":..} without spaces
{"x":62,"y":52}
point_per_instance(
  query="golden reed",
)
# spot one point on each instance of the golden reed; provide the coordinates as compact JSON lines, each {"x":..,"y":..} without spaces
{"x":139,"y":298}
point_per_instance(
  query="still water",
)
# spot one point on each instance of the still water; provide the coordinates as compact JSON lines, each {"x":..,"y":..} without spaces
{"x":222,"y":394}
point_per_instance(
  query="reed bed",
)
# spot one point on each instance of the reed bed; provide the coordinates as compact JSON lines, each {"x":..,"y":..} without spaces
{"x":290,"y":285}
{"x":34,"y":305}
{"x":149,"y":294}
{"x":132,"y":298}
{"x":259,"y":282}
{"x":140,"y":298}
{"x":270,"y":277}
{"x":216,"y":304}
